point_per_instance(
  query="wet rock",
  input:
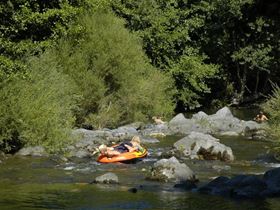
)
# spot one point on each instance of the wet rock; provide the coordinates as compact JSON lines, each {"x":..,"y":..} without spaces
{"x":108,"y":178}
{"x":216,"y":187}
{"x":272,"y":179}
{"x":241,"y":186}
{"x":197,"y":145}
{"x":32,"y":151}
{"x":171,"y":170}
{"x":248,"y":187}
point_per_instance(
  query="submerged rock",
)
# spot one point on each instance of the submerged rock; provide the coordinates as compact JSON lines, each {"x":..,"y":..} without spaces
{"x":245,"y":186}
{"x":272,"y":179}
{"x":242,"y":186}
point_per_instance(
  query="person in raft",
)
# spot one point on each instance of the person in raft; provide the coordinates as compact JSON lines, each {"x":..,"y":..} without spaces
{"x":260,"y":118}
{"x":133,"y":145}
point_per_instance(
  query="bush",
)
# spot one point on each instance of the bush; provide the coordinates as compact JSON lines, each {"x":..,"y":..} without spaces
{"x":272,"y":107}
{"x":37,"y":109}
{"x":115,"y":79}
{"x":192,"y":77}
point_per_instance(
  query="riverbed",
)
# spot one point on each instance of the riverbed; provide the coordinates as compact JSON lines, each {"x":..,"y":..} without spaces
{"x":55,"y":183}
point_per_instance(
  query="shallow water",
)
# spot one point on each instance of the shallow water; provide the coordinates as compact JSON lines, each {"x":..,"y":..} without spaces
{"x":41,"y":183}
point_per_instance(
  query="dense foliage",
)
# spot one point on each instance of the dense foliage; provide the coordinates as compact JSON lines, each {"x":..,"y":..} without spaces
{"x":67,"y":63}
{"x":29,"y":27}
{"x":167,"y":29}
{"x":272,"y":106}
{"x":37,"y":109}
{"x":115,"y":79}
{"x":76,"y":69}
{"x":242,"y":37}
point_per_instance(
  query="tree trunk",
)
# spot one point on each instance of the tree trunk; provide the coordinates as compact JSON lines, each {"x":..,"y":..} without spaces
{"x":243,"y":83}
{"x":257,"y":83}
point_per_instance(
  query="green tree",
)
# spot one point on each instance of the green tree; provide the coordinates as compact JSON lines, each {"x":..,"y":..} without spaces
{"x":115,"y":79}
{"x":28,"y":27}
{"x":169,"y":30}
{"x":243,"y":40}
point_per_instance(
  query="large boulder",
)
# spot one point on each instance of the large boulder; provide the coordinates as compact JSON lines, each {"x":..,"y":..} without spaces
{"x":224,"y":123}
{"x":241,"y":186}
{"x":245,"y":186}
{"x":272,"y":179}
{"x":181,"y":125}
{"x":199,"y":145}
{"x":223,"y":113}
{"x":171,"y":170}
{"x":179,"y":119}
{"x":221,"y":123}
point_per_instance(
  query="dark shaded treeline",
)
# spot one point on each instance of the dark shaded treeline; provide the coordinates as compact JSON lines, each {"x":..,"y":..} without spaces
{"x":242,"y":38}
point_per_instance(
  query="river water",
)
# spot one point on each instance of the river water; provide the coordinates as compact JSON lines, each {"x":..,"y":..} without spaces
{"x":50,"y":183}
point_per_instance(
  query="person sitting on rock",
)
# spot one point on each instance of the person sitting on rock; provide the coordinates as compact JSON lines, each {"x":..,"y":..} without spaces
{"x":260,"y":118}
{"x":158,"y":120}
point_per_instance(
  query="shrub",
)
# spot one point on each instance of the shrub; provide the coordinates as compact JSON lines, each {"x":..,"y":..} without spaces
{"x":37,"y":109}
{"x":115,"y":79}
{"x":272,"y":107}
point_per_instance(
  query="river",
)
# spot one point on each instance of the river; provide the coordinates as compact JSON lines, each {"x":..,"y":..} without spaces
{"x":51,"y":183}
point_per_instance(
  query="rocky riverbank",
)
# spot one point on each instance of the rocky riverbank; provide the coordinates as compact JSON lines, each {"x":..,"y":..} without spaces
{"x":200,"y":141}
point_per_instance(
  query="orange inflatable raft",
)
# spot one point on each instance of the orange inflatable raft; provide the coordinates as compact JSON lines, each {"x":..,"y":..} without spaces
{"x":123,"y":156}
